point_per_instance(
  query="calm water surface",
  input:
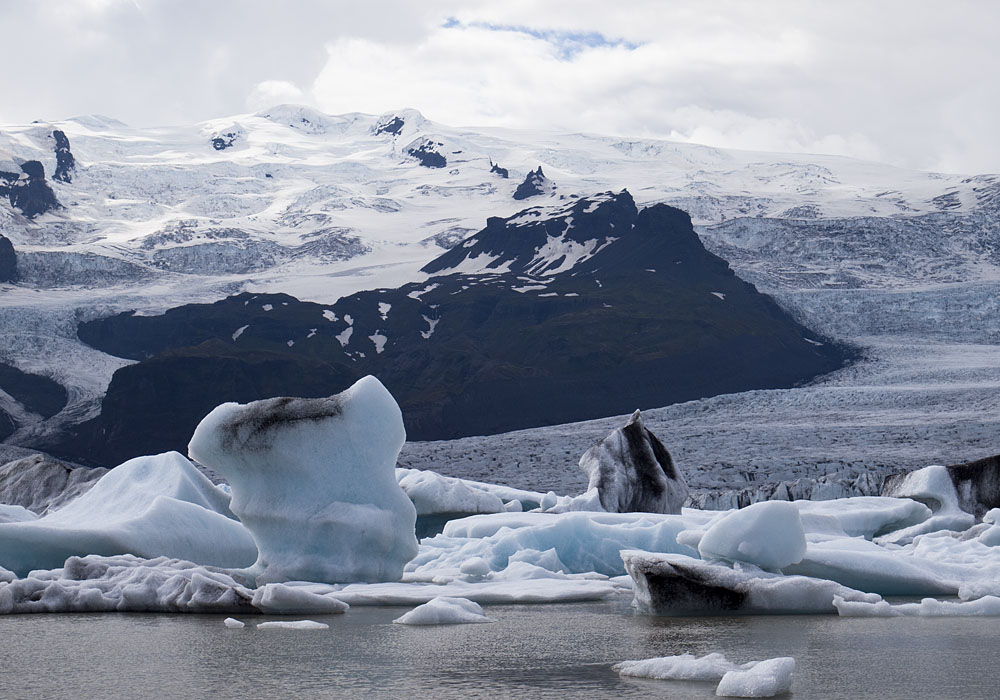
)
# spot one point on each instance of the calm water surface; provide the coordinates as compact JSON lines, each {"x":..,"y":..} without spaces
{"x":541,"y":651}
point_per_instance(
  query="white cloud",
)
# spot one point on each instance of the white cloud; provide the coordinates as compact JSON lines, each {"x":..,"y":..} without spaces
{"x":268,"y":93}
{"x":911,"y":83}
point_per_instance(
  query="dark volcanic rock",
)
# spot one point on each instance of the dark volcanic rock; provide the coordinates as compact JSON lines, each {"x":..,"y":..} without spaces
{"x":41,"y":484}
{"x":392,"y":126}
{"x":167,"y":396}
{"x":65,"y":162}
{"x":8,"y":261}
{"x":538,"y":319}
{"x":428,"y":155}
{"x":633,"y":472}
{"x":502,"y":172}
{"x":36,"y":393}
{"x":535,"y":183}
{"x":31,"y":194}
{"x":224,"y":141}
{"x":7,"y":426}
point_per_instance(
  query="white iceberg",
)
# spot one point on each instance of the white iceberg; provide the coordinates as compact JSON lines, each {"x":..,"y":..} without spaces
{"x":445,"y":611}
{"x":928,"y":607}
{"x":314,"y":482}
{"x":292,"y":625}
{"x":683,"y":667}
{"x":763,"y":680}
{"x":149,"y":506}
{"x":767,"y":534}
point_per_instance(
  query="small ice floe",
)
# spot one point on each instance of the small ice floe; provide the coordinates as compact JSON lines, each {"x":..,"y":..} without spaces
{"x":233,"y":623}
{"x":928,"y":607}
{"x":239,"y":331}
{"x":720,"y":295}
{"x":267,"y":307}
{"x":764,"y":680}
{"x":444,"y":611}
{"x":683,"y":667}
{"x":756,"y":679}
{"x":293,"y":625}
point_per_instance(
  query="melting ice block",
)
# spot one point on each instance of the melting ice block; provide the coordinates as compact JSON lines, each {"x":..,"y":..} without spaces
{"x":314,"y":481}
{"x":764,"y":680}
{"x":633,"y":472}
{"x":149,"y":506}
{"x":767,"y":534}
{"x":445,"y":611}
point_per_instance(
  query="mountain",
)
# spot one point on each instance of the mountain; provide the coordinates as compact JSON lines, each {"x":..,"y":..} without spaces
{"x":902,"y":263}
{"x":545,"y":317}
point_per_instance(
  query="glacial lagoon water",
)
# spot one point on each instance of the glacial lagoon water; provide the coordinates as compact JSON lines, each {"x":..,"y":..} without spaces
{"x":533,"y":651}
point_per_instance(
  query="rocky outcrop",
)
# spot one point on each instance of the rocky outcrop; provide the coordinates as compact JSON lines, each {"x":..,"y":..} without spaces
{"x":65,"y":162}
{"x":428,"y":155}
{"x":8,"y":261}
{"x":587,"y":311}
{"x":28,"y":191}
{"x":502,"y":172}
{"x":388,"y":125}
{"x":36,"y":393}
{"x":633,"y":472}
{"x":535,"y":183}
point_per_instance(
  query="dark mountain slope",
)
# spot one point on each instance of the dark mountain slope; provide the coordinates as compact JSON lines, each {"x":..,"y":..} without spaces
{"x":546,"y":317}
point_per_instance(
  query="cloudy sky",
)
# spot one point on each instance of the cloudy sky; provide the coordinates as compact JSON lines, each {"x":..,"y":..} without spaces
{"x":909,"y":82}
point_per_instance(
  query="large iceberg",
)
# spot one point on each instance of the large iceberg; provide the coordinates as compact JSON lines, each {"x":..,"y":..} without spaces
{"x":314,"y":481}
{"x":149,"y":506}
{"x":633,"y":472}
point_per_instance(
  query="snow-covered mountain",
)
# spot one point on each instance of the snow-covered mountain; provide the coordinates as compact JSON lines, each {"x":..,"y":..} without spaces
{"x":319,"y":206}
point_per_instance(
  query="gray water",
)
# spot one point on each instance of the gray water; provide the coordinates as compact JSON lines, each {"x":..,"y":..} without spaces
{"x":541,"y":651}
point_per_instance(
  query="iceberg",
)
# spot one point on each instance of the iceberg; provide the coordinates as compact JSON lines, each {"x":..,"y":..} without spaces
{"x":445,"y":611}
{"x":763,"y":680}
{"x":313,"y":480}
{"x":674,"y":584}
{"x":149,"y":506}
{"x":768,"y":534}
{"x":293,"y":625}
{"x":633,"y":472}
{"x":683,"y":667}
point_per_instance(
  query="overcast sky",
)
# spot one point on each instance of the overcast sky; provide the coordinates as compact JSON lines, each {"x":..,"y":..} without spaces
{"x":907,"y":82}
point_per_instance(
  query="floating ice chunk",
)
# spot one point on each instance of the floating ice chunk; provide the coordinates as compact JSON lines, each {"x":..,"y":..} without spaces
{"x":673,"y":584}
{"x":279,"y":599}
{"x":632,"y":471}
{"x":433,"y":493}
{"x":767,"y":534}
{"x":293,"y":625}
{"x":764,"y":680}
{"x":383,"y":310}
{"x":521,"y":590}
{"x":148,"y":506}
{"x":475,"y":568}
{"x":928,"y":607}
{"x":684,"y":667}
{"x":863,"y":516}
{"x":125,"y":584}
{"x":239,"y":331}
{"x":314,"y":482}
{"x":329,"y":315}
{"x":865,"y":566}
{"x":934,"y":487}
{"x":431,"y":325}
{"x":445,"y":611}
{"x":233,"y":623}
{"x":583,"y":542}
{"x":267,"y":307}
